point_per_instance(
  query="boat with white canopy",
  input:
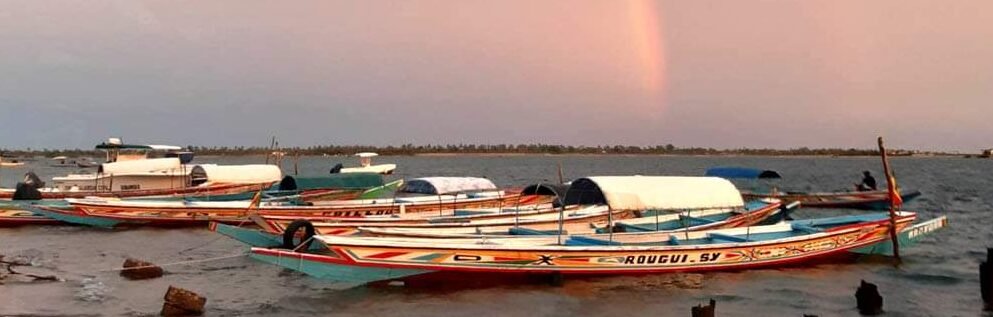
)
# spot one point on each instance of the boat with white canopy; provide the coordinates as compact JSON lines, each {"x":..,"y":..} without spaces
{"x":366,"y":166}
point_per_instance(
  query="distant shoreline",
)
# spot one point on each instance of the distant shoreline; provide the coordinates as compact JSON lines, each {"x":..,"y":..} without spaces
{"x":45,"y":155}
{"x":503,"y":150}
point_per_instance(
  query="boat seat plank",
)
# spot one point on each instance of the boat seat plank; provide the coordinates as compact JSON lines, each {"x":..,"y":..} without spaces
{"x":805,"y":228}
{"x":584,"y":240}
{"x":725,"y":237}
{"x":521,"y":231}
{"x":696,"y":220}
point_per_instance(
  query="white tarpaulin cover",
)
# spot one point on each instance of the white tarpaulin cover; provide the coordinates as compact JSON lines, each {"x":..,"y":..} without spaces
{"x":654,"y":192}
{"x":140,"y":166}
{"x":237,"y":174}
{"x":447,"y":185}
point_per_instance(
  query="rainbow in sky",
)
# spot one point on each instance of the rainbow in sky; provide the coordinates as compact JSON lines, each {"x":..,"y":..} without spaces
{"x":646,"y":28}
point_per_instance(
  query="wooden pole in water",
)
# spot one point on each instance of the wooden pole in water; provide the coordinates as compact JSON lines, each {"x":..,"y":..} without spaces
{"x":296,"y":162}
{"x":272,"y":144}
{"x":561,"y":179}
{"x":891,"y":187}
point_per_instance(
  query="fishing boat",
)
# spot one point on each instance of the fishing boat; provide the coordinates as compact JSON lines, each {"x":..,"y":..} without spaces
{"x":13,"y":214}
{"x":651,"y":204}
{"x":870,"y":200}
{"x":111,"y":212}
{"x":867,"y":200}
{"x":373,"y":259}
{"x":695,"y":213}
{"x":82,"y":162}
{"x":12,"y":163}
{"x":131,"y":172}
{"x":366,"y":166}
{"x":906,"y":237}
{"x":305,"y":190}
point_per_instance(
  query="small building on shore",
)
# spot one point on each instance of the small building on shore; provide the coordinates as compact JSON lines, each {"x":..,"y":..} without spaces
{"x":987,"y":153}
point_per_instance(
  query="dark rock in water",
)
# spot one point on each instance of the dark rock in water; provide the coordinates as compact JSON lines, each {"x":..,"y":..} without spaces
{"x":868,"y":300}
{"x":704,"y":311}
{"x":140,"y":270}
{"x":181,"y":302}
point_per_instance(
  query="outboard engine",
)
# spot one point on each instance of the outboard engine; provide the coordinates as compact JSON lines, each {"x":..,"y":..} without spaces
{"x":33,"y":179}
{"x":28,"y":189}
{"x":337,"y":168}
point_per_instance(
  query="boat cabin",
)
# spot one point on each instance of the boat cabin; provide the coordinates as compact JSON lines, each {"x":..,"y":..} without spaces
{"x":366,"y":166}
{"x":117,"y":151}
{"x":365,"y":158}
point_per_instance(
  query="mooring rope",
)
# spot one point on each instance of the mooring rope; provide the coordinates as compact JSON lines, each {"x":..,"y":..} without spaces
{"x":217,"y":258}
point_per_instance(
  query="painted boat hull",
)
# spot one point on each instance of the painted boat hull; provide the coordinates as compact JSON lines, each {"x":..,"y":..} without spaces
{"x":907,"y":237}
{"x":406,"y":260}
{"x":14,"y":218}
{"x":80,"y":217}
{"x":876,"y":200}
{"x":73,"y":217}
{"x":262,"y":238}
{"x":19,"y":213}
{"x":180,"y":214}
{"x":571,"y":224}
{"x":753,"y":217}
{"x":197,"y":191}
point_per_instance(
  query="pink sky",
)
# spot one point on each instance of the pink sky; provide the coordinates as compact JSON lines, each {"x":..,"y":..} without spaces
{"x":693,"y":73}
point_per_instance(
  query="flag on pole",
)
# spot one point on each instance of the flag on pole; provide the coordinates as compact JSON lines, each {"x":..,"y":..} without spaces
{"x":895,"y":198}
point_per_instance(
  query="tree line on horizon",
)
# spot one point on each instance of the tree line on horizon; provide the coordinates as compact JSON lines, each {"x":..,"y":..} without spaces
{"x":539,"y":148}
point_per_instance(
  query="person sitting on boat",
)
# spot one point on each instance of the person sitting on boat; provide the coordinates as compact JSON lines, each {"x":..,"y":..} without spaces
{"x":868,"y":182}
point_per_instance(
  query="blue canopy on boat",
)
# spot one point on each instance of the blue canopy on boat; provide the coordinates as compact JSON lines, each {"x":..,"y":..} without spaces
{"x":741,"y":172}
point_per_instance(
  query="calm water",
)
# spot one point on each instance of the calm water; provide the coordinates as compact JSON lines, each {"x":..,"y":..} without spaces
{"x":938,"y":278}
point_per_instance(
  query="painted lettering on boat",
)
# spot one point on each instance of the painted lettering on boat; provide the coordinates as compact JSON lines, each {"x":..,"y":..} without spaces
{"x":359,"y":213}
{"x":925,"y":229}
{"x":665,"y":258}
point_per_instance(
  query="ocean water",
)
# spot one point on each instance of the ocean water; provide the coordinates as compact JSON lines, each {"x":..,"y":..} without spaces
{"x":939,"y":276}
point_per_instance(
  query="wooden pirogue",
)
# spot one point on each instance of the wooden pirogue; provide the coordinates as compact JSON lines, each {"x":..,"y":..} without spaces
{"x":870,"y":200}
{"x":867,"y":200}
{"x":581,"y":220}
{"x":191,"y":191}
{"x":658,"y":204}
{"x":108,"y":213}
{"x":372,"y":259}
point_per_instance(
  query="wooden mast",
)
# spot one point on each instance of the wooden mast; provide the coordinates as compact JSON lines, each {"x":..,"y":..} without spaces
{"x":894,"y":199}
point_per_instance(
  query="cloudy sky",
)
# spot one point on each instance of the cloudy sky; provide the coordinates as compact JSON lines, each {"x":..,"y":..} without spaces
{"x":726,"y":74}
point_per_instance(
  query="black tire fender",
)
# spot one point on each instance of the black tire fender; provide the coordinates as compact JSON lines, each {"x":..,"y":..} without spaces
{"x":290,"y":234}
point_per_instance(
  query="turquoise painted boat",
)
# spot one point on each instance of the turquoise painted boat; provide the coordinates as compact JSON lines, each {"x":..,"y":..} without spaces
{"x":66,"y":214}
{"x":254,"y":237}
{"x":906,"y":237}
{"x":366,"y":259}
{"x":313,"y":266}
{"x":17,"y":213}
